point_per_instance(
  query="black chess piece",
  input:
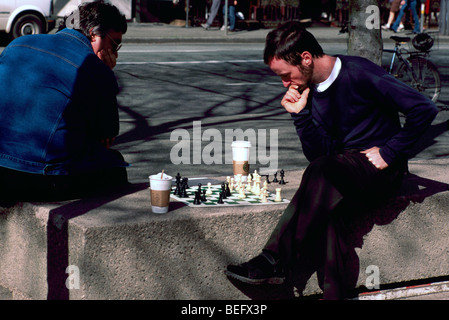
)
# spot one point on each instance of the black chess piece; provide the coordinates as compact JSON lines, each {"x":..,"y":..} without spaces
{"x":177,"y":190}
{"x":223,"y":190}
{"x":197,"y":199}
{"x":185,"y":181}
{"x":282,"y":177}
{"x":203,"y":197}
{"x":275,"y":179}
{"x":184,"y":191}
{"x":228,"y":190}
{"x":220,"y":199}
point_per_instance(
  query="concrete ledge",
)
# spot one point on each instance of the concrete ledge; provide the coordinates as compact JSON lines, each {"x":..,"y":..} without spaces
{"x":123,"y":251}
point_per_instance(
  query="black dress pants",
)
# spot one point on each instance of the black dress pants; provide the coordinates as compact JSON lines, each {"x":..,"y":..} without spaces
{"x":312,"y":227}
{"x":22,"y":186}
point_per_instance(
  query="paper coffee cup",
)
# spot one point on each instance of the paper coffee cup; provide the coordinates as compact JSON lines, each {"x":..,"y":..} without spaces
{"x":240,"y":158}
{"x":160,"y":187}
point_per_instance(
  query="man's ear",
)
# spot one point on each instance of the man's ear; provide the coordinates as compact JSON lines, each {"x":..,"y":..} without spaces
{"x":93,"y":36}
{"x":307,"y":58}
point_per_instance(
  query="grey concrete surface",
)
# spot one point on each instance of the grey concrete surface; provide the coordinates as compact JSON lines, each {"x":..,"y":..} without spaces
{"x":123,"y":251}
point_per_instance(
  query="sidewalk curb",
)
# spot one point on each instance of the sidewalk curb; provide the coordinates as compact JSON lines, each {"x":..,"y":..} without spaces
{"x":158,"y":33}
{"x":406,"y":292}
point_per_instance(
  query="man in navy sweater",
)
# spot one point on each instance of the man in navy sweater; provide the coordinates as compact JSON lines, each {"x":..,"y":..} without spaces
{"x":346,"y":113}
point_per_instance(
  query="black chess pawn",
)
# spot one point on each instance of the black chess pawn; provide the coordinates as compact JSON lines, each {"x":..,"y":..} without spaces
{"x":282,"y":177}
{"x":223,"y":191}
{"x":197,"y":199}
{"x":228,"y":190}
{"x":275,"y":179}
{"x":203,"y":197}
{"x":220,"y":198}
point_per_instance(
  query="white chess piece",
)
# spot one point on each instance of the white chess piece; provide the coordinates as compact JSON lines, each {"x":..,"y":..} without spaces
{"x":263,"y":192}
{"x":248,"y":185}
{"x":209,"y":190}
{"x":257,"y":189}
{"x":264,"y":196}
{"x":278,"y":195}
{"x":242,"y":194}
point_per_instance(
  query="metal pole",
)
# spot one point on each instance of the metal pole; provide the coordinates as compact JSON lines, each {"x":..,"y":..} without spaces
{"x":226,"y":17}
{"x":187,"y":13}
{"x":423,"y":10}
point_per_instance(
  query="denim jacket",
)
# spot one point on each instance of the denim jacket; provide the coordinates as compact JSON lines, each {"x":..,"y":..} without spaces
{"x":57,"y":102}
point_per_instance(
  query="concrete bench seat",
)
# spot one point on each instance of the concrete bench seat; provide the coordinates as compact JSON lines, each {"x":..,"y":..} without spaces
{"x":118,"y":249}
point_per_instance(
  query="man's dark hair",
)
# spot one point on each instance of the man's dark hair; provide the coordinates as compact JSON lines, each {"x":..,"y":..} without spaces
{"x":288,"y":42}
{"x":98,"y":17}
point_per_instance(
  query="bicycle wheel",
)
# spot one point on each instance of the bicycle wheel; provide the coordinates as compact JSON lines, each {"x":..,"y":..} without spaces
{"x":424,"y":77}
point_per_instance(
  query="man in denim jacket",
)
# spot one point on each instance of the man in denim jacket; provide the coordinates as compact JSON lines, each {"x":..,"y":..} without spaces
{"x":59,"y":109}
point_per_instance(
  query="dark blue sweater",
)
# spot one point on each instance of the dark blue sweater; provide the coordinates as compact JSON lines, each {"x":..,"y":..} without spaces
{"x":361,"y":110}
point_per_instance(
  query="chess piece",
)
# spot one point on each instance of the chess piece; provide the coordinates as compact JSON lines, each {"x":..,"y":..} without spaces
{"x":255,"y":175}
{"x":248,"y":185}
{"x":256,"y":186}
{"x":185,"y":181}
{"x":278,"y":195}
{"x":263,"y":192}
{"x":177,"y":191}
{"x":220,"y":199}
{"x":197,"y":199}
{"x":275,"y":179}
{"x":257,"y":189}
{"x":228,"y":190}
{"x":282,"y":177}
{"x":209,"y":189}
{"x":223,"y":191}
{"x":264,"y":196}
{"x":184,"y":191}
{"x":238,"y":178}
{"x":242,"y":194}
{"x":203,"y":197}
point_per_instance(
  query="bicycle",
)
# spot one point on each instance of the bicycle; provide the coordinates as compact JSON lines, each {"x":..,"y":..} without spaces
{"x":415,"y":70}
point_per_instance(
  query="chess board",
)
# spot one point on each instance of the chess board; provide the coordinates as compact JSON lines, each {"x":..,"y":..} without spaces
{"x":233,"y":200}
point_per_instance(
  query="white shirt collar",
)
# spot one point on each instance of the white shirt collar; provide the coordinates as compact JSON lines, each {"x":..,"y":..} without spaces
{"x":320,"y":87}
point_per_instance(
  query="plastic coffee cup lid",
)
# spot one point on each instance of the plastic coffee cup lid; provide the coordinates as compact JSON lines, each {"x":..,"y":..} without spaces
{"x":241,"y":144}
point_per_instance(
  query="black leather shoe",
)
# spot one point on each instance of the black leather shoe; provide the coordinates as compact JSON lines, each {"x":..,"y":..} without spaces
{"x":259,"y":270}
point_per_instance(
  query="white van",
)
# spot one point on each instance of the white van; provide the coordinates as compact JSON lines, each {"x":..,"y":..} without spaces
{"x":22,"y":17}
